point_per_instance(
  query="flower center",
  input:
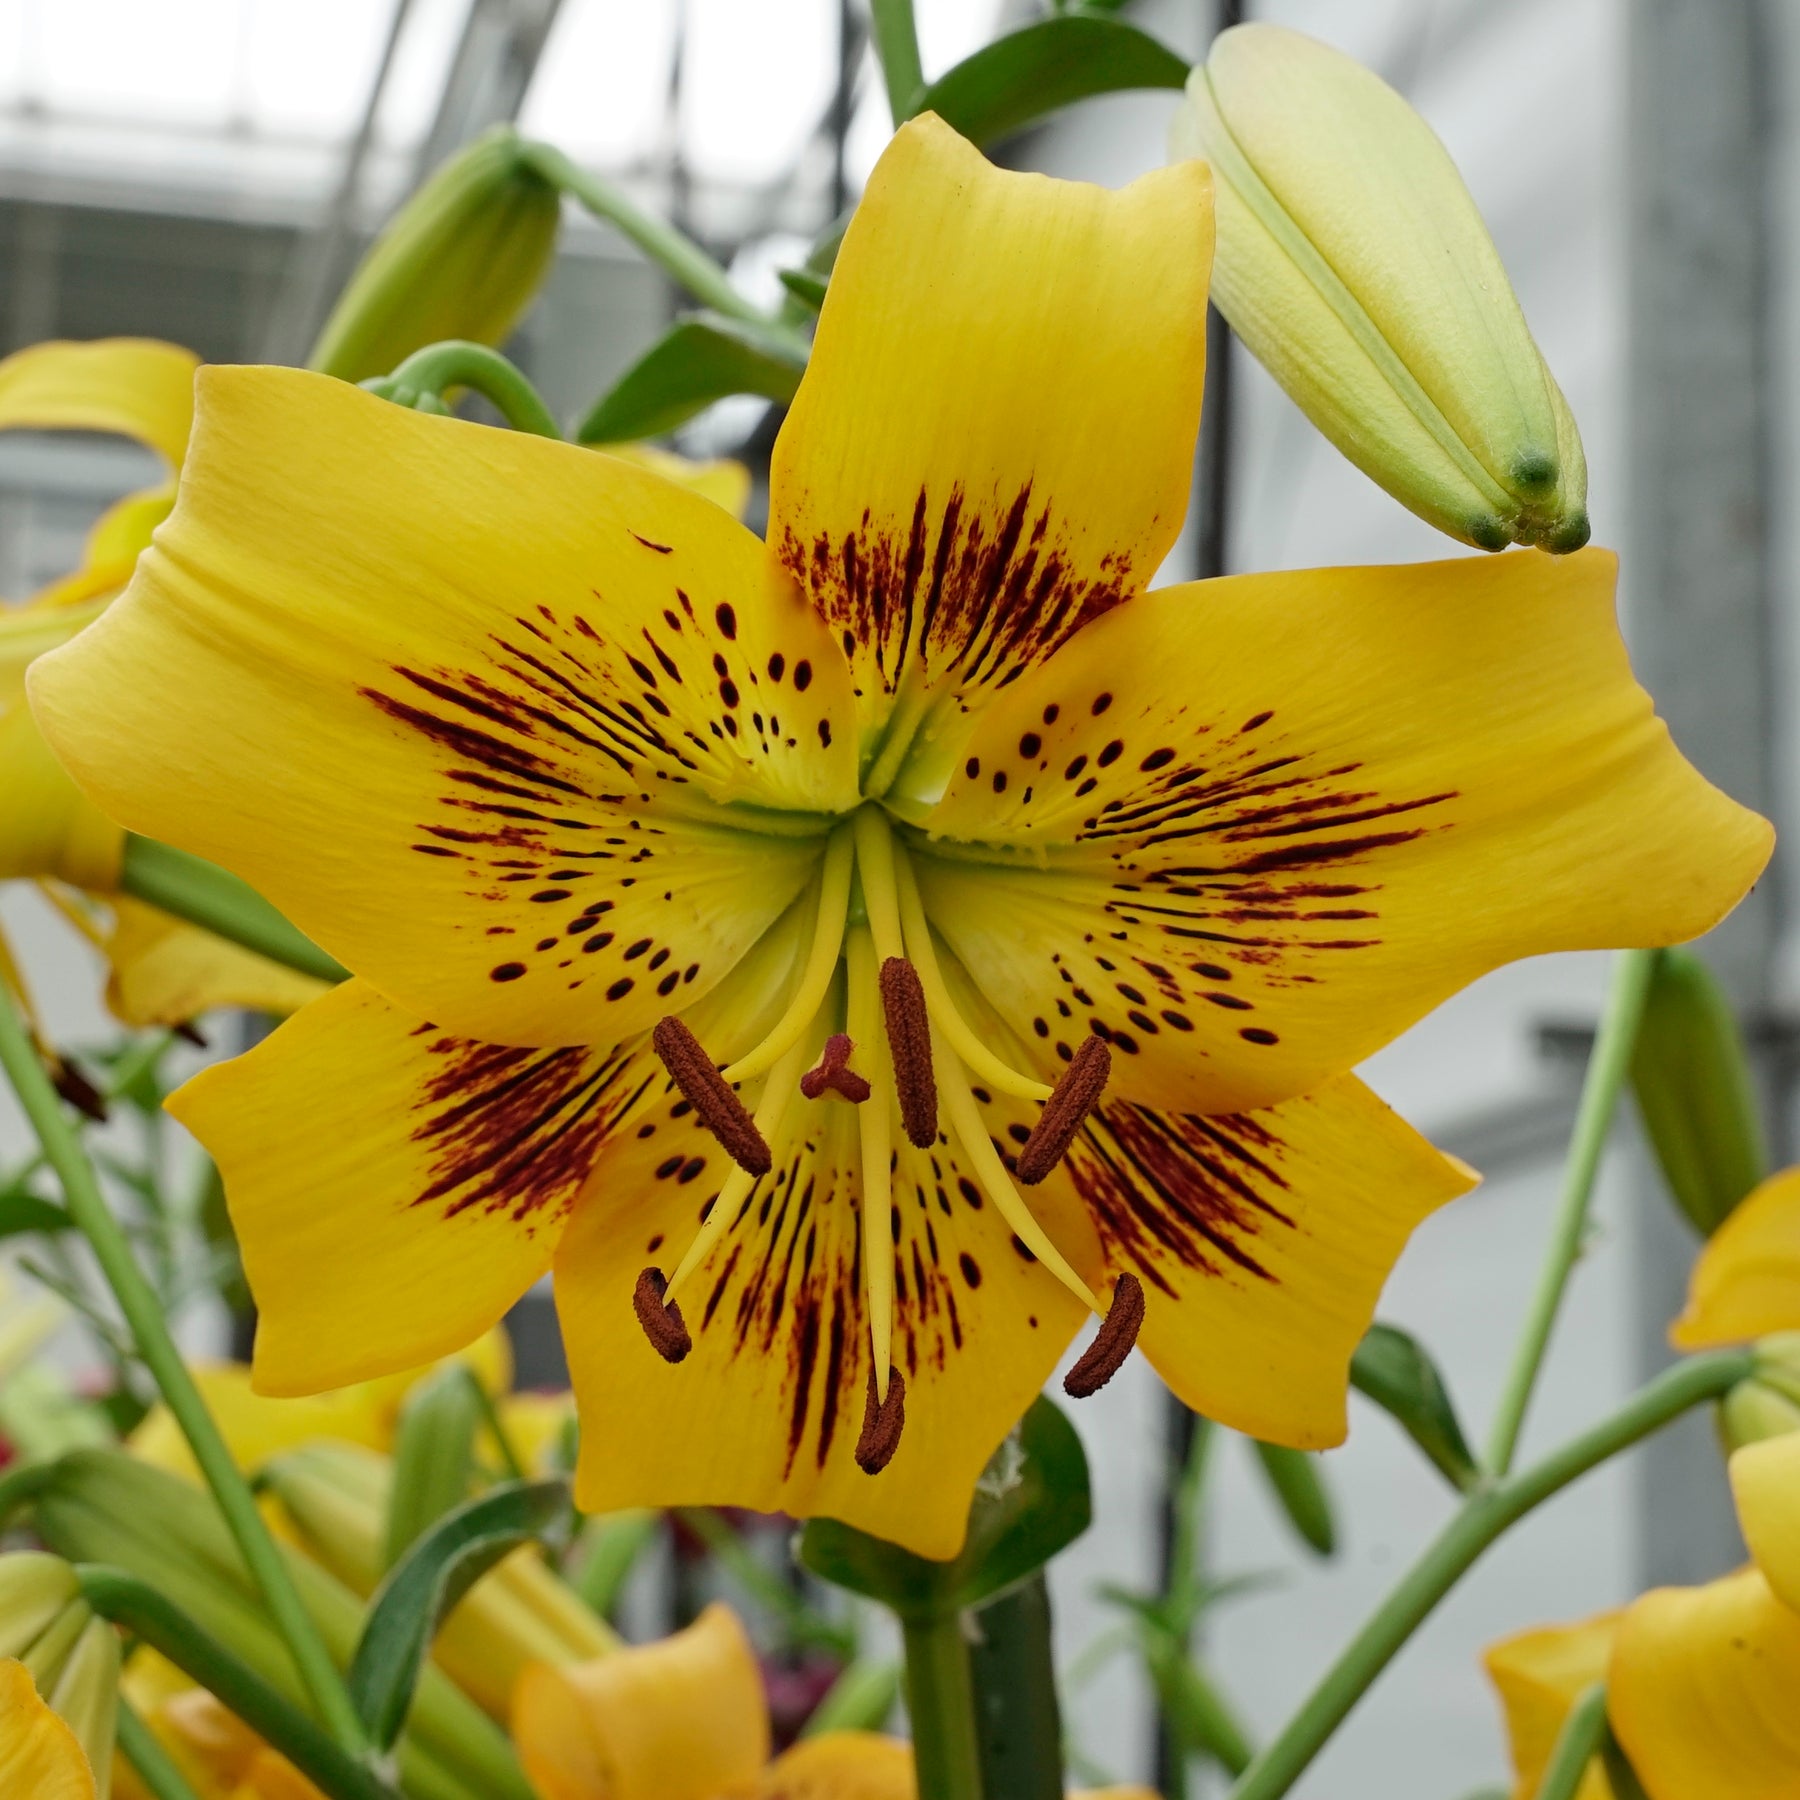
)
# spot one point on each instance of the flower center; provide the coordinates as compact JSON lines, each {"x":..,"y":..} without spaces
{"x":902,"y":1026}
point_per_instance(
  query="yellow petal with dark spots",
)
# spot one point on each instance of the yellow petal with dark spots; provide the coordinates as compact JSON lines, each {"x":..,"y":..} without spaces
{"x":133,"y":387}
{"x":1539,"y":1675}
{"x":395,"y":1188}
{"x":765,"y":1410}
{"x":1747,"y":1280}
{"x":531,"y":738}
{"x":39,"y":1755}
{"x":1262,"y":1240}
{"x":1252,"y":829}
{"x":1701,"y":1692}
{"x":994,"y":438}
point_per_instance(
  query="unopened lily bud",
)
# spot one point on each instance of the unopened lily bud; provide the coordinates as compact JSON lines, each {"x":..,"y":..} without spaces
{"x":463,"y":258}
{"x":1353,"y":263}
{"x":35,"y":1590}
{"x":1778,"y":1363}
{"x":1753,"y":1411}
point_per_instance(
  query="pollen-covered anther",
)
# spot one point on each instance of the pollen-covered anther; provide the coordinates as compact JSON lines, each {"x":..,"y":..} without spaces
{"x":68,"y":1080}
{"x":883,"y":1421}
{"x":1113,"y":1342}
{"x":661,"y":1319}
{"x":710,"y":1095}
{"x":1075,"y":1095}
{"x":909,"y":1046}
{"x":834,"y":1072}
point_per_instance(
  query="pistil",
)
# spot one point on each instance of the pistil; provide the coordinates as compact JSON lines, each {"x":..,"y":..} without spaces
{"x":834,"y":1073}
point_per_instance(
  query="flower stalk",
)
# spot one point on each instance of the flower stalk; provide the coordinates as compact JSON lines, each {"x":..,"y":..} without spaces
{"x":1583,"y":1733}
{"x":431,"y":372}
{"x":897,"y":50}
{"x":940,"y":1699}
{"x":150,"y":1331}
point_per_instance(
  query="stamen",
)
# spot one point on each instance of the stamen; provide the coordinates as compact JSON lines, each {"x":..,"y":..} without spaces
{"x":985,"y":1164}
{"x":706,"y":1091}
{"x":883,"y":1421}
{"x":923,"y":954}
{"x":661,"y":1318}
{"x":909,"y":1042}
{"x":834,"y":1072}
{"x":821,"y":962}
{"x":875,"y":1149}
{"x":1113,"y":1342}
{"x":69,"y":1081}
{"x":1073,"y":1098}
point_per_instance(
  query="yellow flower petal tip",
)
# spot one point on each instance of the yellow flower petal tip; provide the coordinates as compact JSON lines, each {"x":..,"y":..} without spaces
{"x":40,"y":1755}
{"x":1539,"y":1675}
{"x":132,"y":387}
{"x":1765,"y":1482}
{"x":836,"y":1765}
{"x":680,"y":1719}
{"x":1353,"y":262}
{"x":1746,"y":1283}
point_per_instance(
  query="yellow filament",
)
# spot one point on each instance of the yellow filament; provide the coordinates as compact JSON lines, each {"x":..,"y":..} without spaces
{"x":875,"y":864}
{"x":821,"y":963}
{"x":770,"y":1115}
{"x":874,"y":1122}
{"x":990,"y":1171}
{"x":980,"y":1059}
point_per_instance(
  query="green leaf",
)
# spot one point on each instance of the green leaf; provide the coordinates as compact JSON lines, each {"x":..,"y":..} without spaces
{"x":21,"y":1211}
{"x":421,"y":1588}
{"x":611,"y":1547}
{"x":434,"y":1457}
{"x":861,"y":1699}
{"x":1197,"y":1715}
{"x":702,"y":359}
{"x":1043,"y":67}
{"x":1396,"y":1371}
{"x":1300,"y":1489}
{"x":805,"y":286}
{"x":1032,"y":1501}
{"x":1694,"y":1089}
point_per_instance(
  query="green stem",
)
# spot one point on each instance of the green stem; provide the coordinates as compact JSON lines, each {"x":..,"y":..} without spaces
{"x":1487,"y":1513}
{"x":458,"y":363}
{"x":1014,"y":1676}
{"x":897,"y":48}
{"x":150,"y":1331}
{"x":150,"y":1762}
{"x":161,"y":1624}
{"x":940,"y":1697}
{"x":1608,"y":1067}
{"x":657,"y":238}
{"x":208,"y":896}
{"x":1577,"y":1744}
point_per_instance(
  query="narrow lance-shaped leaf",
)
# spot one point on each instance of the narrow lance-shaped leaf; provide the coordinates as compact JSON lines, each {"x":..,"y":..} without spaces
{"x":1396,"y":1371}
{"x":1300,"y":1490}
{"x":1692,"y":1078}
{"x":422,"y":1587}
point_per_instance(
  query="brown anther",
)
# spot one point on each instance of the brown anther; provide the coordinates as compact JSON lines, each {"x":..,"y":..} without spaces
{"x":661,"y":1319}
{"x":1075,"y":1095}
{"x":188,"y":1030}
{"x":835,"y":1073}
{"x":74,"y":1086}
{"x":1104,"y":1357}
{"x":883,"y":1421}
{"x":710,"y":1095}
{"x":909,"y":1044}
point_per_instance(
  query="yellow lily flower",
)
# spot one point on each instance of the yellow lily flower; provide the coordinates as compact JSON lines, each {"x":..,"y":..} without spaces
{"x":1540,"y":1674}
{"x":836,"y":1765}
{"x":1746,"y":1282}
{"x":222,"y":1758}
{"x":39,"y":1754}
{"x":924,"y":799}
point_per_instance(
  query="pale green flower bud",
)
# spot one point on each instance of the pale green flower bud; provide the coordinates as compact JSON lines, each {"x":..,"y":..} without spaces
{"x":1753,"y":1411}
{"x":1353,"y":263}
{"x":463,"y":258}
{"x":35,"y":1590}
{"x":71,"y":1656}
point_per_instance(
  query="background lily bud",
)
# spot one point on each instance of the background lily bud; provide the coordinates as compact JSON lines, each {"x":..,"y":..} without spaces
{"x":1353,"y":263}
{"x":1753,"y":1411}
{"x":463,"y":258}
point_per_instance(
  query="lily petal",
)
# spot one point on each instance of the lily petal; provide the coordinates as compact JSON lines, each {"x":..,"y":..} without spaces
{"x":39,"y":1754}
{"x":993,"y":440}
{"x":1283,"y":816}
{"x":1701,"y":1691}
{"x":134,"y":387}
{"x":1540,"y":1675}
{"x":165,"y":971}
{"x":765,"y":1410}
{"x":837,"y":1765}
{"x":1765,"y":1482}
{"x":525,"y":735}
{"x":1746,"y":1282}
{"x":394,"y":1188}
{"x":1262,"y":1240}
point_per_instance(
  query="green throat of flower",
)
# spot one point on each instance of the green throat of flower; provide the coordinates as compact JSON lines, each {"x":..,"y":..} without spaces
{"x":902,"y":1026}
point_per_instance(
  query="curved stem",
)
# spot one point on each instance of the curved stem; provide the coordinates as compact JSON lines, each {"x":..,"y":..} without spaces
{"x":657,"y":238}
{"x":1577,"y":1744}
{"x":1608,"y":1066}
{"x":206,"y":895}
{"x":150,"y":1762}
{"x":897,"y":49}
{"x":1483,"y":1517}
{"x":940,"y":1696}
{"x":150,"y":1333}
{"x":458,"y":363}
{"x":161,"y":1624}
